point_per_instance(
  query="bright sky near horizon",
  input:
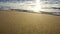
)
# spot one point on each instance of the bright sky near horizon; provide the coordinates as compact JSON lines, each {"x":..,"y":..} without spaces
{"x":23,"y":3}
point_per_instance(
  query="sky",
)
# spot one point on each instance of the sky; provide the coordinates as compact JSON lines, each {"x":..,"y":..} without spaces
{"x":15,"y":4}
{"x":23,"y":4}
{"x":14,"y":0}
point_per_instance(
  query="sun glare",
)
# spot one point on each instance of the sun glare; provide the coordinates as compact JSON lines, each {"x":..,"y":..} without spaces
{"x":37,"y":6}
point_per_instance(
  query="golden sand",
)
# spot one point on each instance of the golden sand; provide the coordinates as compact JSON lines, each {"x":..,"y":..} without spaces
{"x":28,"y":23}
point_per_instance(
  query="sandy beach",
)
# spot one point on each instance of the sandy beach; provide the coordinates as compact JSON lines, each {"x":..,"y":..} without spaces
{"x":12,"y":22}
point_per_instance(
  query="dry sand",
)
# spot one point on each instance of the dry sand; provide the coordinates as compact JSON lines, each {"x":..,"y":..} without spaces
{"x":28,"y":23}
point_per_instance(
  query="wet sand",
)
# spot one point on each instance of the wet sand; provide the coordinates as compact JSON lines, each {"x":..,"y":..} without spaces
{"x":28,"y":23}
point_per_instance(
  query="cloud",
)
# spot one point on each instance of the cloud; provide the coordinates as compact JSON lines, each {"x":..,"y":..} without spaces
{"x":22,"y":4}
{"x":51,"y":1}
{"x":14,"y":4}
{"x":14,"y":0}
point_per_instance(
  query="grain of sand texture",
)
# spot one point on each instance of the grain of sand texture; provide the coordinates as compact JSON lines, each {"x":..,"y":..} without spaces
{"x":28,"y":23}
